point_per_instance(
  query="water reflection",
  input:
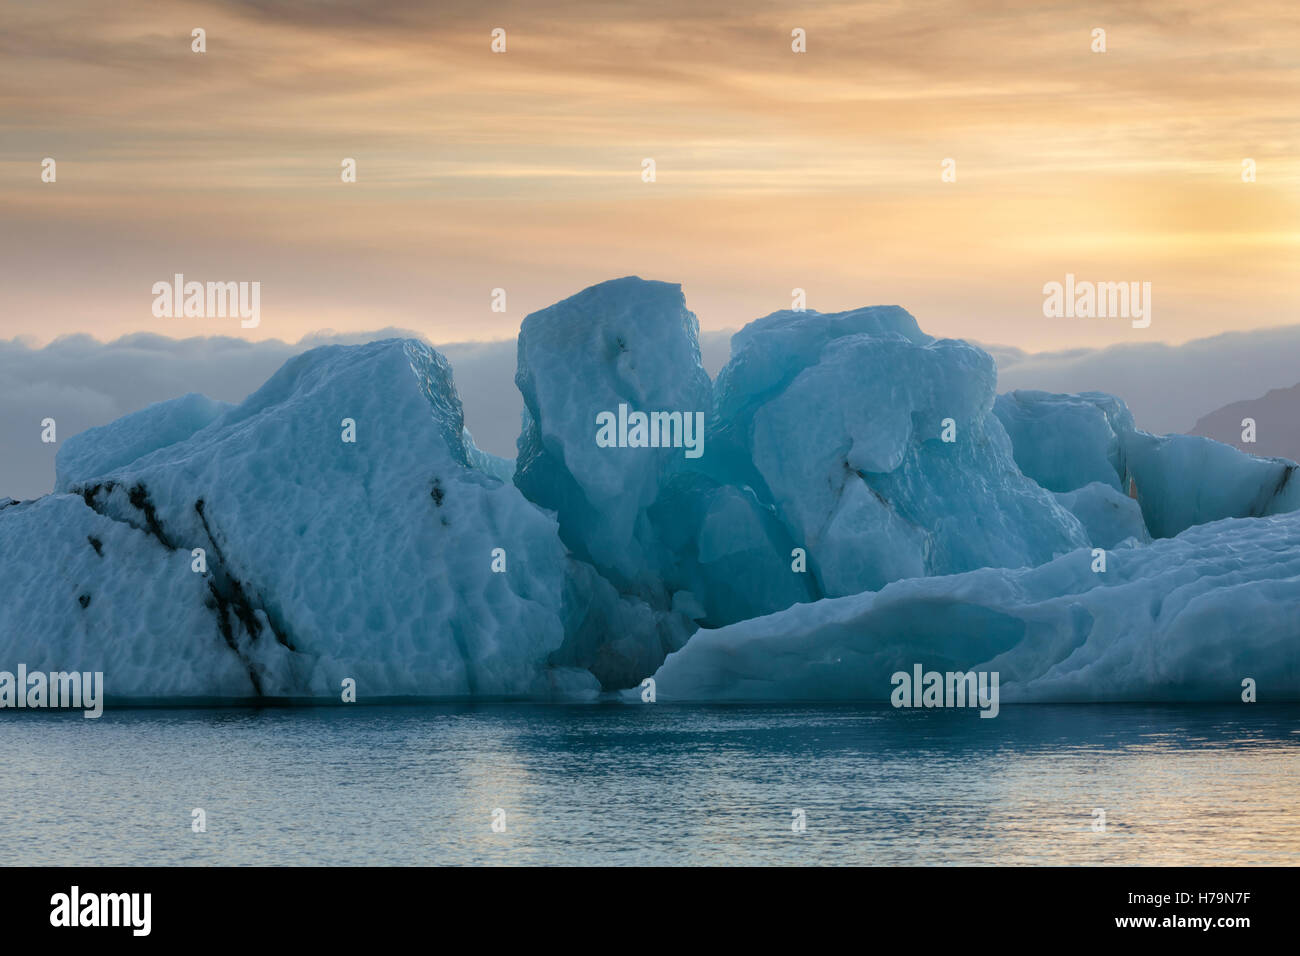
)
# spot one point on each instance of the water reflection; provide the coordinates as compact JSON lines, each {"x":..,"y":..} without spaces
{"x":655,"y":784}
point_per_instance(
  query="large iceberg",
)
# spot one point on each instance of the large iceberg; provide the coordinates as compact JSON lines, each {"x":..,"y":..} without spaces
{"x":842,"y":452}
{"x":850,"y":496}
{"x":648,"y":516}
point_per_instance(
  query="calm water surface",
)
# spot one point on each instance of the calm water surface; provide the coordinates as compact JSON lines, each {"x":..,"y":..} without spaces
{"x":653,"y":784}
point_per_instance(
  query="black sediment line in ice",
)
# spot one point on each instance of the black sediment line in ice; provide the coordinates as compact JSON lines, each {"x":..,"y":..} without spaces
{"x":231,"y":589}
{"x":228,"y":632}
{"x":139,"y":498}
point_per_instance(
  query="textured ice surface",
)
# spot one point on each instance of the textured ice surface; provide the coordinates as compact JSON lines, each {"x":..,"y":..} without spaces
{"x":1067,"y":441}
{"x":1108,"y":516}
{"x":98,"y":450}
{"x":1064,"y":442}
{"x":1187,"y":618}
{"x":369,"y":560}
{"x":769,"y":352}
{"x":84,"y":592}
{"x":617,"y":638}
{"x":627,"y":341}
{"x":838,"y":421}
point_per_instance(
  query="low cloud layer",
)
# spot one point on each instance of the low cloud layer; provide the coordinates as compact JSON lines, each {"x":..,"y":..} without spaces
{"x":81,"y":382}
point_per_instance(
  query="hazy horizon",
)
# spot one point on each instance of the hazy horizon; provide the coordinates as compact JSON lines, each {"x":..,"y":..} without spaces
{"x":83,"y":382}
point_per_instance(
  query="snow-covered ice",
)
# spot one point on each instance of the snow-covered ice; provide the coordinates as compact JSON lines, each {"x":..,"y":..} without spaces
{"x":84,"y":592}
{"x":98,"y":450}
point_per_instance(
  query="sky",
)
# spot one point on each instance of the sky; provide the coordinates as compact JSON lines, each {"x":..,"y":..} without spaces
{"x":522,"y":170}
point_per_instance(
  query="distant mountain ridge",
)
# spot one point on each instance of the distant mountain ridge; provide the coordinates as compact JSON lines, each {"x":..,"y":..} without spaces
{"x":1277,"y":424}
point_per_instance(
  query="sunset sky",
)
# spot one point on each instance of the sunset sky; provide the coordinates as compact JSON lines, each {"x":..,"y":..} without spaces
{"x":775,"y":170}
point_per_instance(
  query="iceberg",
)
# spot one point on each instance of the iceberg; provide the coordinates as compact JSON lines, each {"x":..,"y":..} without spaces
{"x":878,"y":450}
{"x":325,"y":558}
{"x":1186,"y":619}
{"x":627,"y":342}
{"x":862,"y":501}
{"x":1064,"y":442}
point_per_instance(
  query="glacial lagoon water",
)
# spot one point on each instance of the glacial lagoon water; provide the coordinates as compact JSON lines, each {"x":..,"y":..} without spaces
{"x":653,"y":784}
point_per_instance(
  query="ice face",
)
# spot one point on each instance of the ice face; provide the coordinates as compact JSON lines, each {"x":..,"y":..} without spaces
{"x":502,"y":469}
{"x":1187,"y":618}
{"x":1067,"y":441}
{"x":617,"y":639}
{"x":1064,"y":442}
{"x":848,"y":445}
{"x":371,"y":559}
{"x":724,"y":555}
{"x":1186,"y":480}
{"x":769,"y":352}
{"x":626,"y":342}
{"x":87,"y":593}
{"x":766,"y":355}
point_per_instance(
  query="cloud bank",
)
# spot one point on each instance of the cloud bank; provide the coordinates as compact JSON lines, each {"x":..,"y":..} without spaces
{"x":81,"y":382}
